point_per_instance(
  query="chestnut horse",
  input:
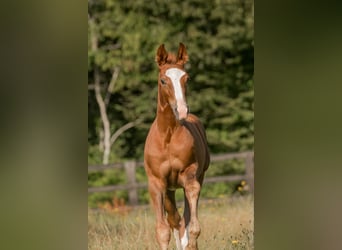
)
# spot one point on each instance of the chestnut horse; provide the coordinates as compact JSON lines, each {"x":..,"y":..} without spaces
{"x":176,"y":154}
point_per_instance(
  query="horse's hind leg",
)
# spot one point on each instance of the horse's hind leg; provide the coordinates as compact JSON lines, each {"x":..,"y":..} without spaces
{"x":163,"y":233}
{"x":173,"y":216}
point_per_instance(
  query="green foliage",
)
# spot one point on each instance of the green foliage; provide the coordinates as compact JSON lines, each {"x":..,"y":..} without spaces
{"x":219,"y":39}
{"x":234,"y":166}
{"x":105,"y":178}
{"x":97,"y":199}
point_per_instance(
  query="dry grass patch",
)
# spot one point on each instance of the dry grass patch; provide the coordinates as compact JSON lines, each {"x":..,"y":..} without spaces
{"x":226,"y":224}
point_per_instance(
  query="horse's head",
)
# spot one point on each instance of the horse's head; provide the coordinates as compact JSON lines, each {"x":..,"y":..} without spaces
{"x":172,"y":80}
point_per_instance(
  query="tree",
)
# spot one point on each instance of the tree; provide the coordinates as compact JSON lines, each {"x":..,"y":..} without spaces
{"x":219,"y":40}
{"x":106,"y":140}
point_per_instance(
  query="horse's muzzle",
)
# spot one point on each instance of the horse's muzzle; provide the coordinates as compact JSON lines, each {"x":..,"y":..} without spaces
{"x":181,"y":111}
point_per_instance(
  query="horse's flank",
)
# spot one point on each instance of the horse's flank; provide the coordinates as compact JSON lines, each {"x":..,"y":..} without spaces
{"x":196,"y":129}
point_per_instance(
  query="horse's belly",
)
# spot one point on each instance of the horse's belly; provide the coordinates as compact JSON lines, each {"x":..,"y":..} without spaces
{"x":172,"y":181}
{"x":177,"y":166}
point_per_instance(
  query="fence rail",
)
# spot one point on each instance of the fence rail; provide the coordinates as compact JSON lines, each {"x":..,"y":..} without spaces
{"x":132,"y":185}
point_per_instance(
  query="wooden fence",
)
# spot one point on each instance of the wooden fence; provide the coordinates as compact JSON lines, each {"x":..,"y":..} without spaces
{"x":132,"y":185}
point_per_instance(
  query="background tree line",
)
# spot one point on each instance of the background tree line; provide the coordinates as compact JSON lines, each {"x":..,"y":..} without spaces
{"x":122,"y":75}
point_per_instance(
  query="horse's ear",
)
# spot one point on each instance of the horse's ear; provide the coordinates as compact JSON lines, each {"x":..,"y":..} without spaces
{"x":182,"y":55}
{"x":161,"y":56}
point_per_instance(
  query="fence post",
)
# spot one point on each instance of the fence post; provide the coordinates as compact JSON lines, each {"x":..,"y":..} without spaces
{"x":130,"y":173}
{"x":250,"y":171}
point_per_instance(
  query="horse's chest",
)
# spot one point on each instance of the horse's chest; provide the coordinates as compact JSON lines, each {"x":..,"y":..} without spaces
{"x":180,"y":154}
{"x":170,"y":155}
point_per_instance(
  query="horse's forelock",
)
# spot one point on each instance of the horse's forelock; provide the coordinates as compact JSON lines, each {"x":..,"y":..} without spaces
{"x":171,"y":58}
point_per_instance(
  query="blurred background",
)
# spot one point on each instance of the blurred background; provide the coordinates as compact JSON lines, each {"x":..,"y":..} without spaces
{"x":298,"y":127}
{"x":123,"y":37}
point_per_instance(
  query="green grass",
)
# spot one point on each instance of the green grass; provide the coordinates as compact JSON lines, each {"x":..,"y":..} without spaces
{"x":225,"y":224}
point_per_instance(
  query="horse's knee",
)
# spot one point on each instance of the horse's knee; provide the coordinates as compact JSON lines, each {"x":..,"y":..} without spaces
{"x":189,"y":240}
{"x":163,"y":234}
{"x":174,"y":220}
{"x":195,"y":229}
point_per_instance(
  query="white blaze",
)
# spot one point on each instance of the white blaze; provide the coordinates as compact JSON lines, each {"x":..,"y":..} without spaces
{"x":175,"y":75}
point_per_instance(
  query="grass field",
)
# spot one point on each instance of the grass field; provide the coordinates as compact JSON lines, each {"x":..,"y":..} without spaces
{"x":225,"y":224}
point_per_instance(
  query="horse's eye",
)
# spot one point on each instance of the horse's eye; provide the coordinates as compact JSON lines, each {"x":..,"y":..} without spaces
{"x":163,"y":81}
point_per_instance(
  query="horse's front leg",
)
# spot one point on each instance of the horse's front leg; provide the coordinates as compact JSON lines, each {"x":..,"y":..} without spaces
{"x":173,"y":216}
{"x":192,"y":226}
{"x":157,"y":194}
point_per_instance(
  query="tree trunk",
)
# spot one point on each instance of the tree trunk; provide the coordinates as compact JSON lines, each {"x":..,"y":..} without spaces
{"x":99,"y":99}
{"x":106,"y":140}
{"x":104,"y":118}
